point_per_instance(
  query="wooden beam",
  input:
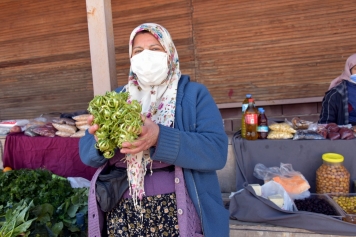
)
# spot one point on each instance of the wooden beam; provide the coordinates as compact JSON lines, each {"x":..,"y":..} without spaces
{"x":102,"y":45}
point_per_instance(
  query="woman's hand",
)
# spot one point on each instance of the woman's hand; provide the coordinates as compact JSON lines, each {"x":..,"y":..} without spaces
{"x":93,"y":128}
{"x":147,"y":138}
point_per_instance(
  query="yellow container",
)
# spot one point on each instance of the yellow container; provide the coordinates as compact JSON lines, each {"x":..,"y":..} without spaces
{"x":333,"y":158}
{"x":332,"y":176}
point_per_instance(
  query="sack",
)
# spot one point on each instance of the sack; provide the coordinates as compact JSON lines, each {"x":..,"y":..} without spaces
{"x":245,"y":205}
{"x":110,"y":186}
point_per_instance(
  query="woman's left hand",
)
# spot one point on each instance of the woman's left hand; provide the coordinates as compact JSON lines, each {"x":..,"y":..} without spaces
{"x":147,"y":138}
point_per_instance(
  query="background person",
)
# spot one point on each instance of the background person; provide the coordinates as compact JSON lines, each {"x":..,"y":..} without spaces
{"x":339,"y":102}
{"x":182,"y":134}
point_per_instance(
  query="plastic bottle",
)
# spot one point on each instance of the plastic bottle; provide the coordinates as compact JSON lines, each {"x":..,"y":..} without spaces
{"x":262,"y":128}
{"x":251,"y":120}
{"x":244,"y":107}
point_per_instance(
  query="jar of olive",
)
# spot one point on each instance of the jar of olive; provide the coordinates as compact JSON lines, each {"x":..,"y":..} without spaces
{"x":332,"y":176}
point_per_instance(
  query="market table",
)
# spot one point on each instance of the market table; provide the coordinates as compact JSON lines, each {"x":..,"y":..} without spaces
{"x":60,"y":155}
{"x":304,"y":155}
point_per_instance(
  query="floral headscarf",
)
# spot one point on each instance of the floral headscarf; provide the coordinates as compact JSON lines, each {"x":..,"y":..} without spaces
{"x":158,"y":103}
{"x":346,"y":74}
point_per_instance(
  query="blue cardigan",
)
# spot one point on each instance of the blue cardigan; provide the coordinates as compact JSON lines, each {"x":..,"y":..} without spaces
{"x":198,"y":144}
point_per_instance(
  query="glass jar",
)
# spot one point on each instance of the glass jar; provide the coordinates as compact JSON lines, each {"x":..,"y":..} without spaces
{"x":332,"y":176}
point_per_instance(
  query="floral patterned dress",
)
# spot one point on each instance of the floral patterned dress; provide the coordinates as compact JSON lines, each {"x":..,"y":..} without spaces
{"x":157,"y":217}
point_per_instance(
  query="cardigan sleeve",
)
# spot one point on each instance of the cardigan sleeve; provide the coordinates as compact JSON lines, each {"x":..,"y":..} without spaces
{"x":88,"y":153}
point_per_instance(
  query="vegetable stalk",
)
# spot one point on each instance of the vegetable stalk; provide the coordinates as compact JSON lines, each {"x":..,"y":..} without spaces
{"x":119,"y":121}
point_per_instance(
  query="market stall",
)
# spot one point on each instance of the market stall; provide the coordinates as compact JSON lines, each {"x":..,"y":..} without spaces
{"x":304,"y":155}
{"x":57,"y":154}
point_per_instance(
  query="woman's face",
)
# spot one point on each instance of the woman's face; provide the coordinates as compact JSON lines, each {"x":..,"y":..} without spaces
{"x":147,"y":41}
{"x":353,"y":70}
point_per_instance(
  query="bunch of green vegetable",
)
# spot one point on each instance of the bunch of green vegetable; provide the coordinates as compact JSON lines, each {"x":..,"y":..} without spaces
{"x":40,"y":185}
{"x":16,"y":221}
{"x":40,"y":203}
{"x":118,"y":120}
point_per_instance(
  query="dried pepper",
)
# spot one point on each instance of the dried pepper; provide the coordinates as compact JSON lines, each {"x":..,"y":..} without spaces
{"x":119,"y":120}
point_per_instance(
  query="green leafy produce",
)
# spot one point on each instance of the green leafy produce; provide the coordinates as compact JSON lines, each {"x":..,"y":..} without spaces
{"x":118,"y":120}
{"x":48,"y":201}
{"x":38,"y":185}
{"x":16,"y":220}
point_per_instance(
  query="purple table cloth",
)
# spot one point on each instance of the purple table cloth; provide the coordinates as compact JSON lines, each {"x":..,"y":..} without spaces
{"x":60,"y":155}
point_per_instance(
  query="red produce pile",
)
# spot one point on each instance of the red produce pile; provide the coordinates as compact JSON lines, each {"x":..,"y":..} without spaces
{"x":333,"y":132}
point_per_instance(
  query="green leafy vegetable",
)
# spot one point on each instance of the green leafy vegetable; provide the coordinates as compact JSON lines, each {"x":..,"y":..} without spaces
{"x":38,"y":185}
{"x":118,"y":120}
{"x":16,"y":222}
{"x":38,"y":203}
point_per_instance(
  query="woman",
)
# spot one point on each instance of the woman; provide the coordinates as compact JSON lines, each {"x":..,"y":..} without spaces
{"x":183,"y":137}
{"x":339,"y":102}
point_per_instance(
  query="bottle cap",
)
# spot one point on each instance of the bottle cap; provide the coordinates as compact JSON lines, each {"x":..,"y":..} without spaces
{"x":333,"y":157}
{"x":248,"y":95}
{"x":250,"y":100}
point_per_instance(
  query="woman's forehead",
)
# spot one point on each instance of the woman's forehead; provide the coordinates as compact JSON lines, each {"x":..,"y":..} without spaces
{"x":145,"y":38}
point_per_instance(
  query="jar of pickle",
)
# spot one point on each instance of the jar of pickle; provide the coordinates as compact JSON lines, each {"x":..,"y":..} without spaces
{"x":332,"y":176}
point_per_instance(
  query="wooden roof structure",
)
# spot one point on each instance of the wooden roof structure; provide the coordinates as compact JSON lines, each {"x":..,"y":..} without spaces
{"x":282,"y":52}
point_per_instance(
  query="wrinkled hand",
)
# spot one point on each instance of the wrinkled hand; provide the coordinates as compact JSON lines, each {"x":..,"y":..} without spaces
{"x":93,"y":128}
{"x":147,"y":138}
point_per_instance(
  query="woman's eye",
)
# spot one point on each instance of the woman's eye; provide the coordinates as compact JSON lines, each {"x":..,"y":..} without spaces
{"x":157,"y":49}
{"x":137,"y":52}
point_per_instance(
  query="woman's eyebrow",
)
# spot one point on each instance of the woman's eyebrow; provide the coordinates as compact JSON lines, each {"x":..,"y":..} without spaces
{"x":136,"y":47}
{"x":156,"y":45}
{"x":149,"y":46}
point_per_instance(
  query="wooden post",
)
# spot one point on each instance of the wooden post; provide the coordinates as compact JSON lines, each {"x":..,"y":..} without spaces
{"x":102,"y":45}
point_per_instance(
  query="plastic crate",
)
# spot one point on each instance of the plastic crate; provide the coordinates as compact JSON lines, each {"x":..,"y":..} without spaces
{"x":346,"y":210}
{"x":339,"y":213}
{"x":349,"y":215}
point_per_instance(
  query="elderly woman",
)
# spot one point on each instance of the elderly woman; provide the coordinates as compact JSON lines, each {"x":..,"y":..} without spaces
{"x":181,"y":146}
{"x":339,"y":102}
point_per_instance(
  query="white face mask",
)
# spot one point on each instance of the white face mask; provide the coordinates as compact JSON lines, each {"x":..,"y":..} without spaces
{"x":150,"y":67}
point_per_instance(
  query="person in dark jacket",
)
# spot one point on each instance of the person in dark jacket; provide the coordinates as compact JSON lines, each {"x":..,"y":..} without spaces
{"x":339,"y":102}
{"x":181,"y":146}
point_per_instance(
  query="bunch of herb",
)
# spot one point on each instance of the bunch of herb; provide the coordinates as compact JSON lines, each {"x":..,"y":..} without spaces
{"x":54,"y":203}
{"x":37,"y":184}
{"x":118,"y":120}
{"x":16,"y":220}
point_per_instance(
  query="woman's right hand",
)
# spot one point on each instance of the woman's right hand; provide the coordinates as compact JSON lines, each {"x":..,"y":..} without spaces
{"x":93,"y":127}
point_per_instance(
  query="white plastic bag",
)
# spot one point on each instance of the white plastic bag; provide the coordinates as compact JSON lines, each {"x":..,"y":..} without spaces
{"x":293,"y":182}
{"x":273,"y":188}
{"x":4,"y":131}
{"x":78,"y":182}
{"x":15,"y":122}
